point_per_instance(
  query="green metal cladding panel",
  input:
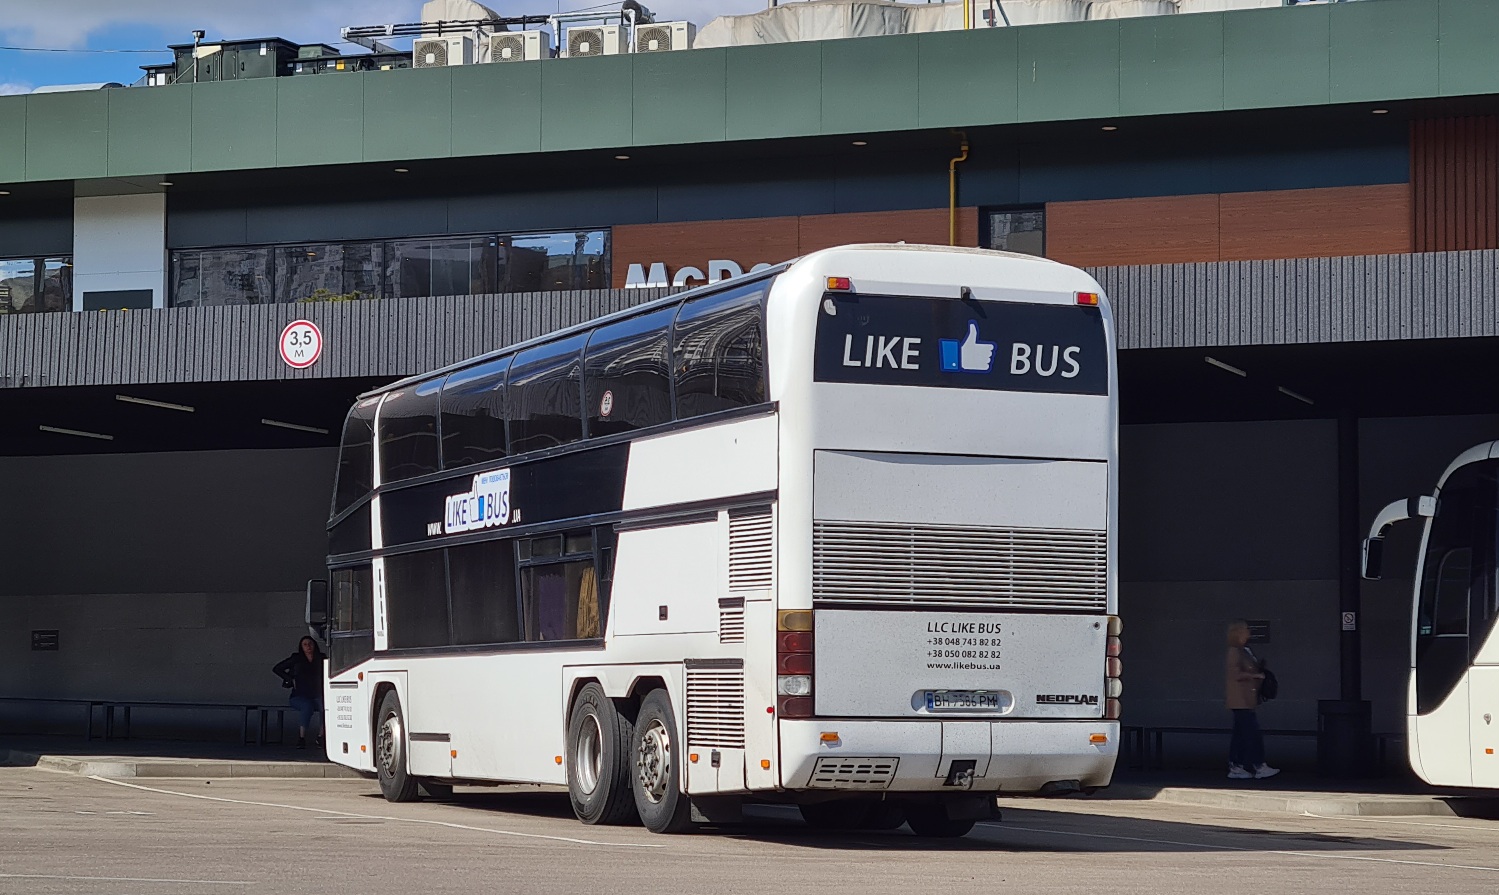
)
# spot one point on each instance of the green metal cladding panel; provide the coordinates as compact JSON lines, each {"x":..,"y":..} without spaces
{"x":967,"y":78}
{"x":408,"y":113}
{"x":497,"y":108}
{"x":12,"y":139}
{"x":1469,"y":34}
{"x":869,"y":85}
{"x":586,"y":103}
{"x":1276,"y":57}
{"x":681,"y":97}
{"x":67,"y":135}
{"x":150,"y":130}
{"x":1385,"y":50}
{"x":1069,"y":71}
{"x":774,"y":91}
{"x":1170,"y":64}
{"x":320,"y":120}
{"x":234,"y":124}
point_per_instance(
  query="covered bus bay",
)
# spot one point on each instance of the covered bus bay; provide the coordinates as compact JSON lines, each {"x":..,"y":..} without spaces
{"x":1269,"y":409}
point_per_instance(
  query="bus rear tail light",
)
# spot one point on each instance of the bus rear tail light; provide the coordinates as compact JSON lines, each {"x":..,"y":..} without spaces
{"x":1088,"y":299}
{"x":794,"y":663}
{"x":1113,"y":669}
{"x":840,"y":284}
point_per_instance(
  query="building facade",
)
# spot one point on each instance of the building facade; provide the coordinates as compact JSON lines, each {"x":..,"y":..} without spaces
{"x":1296,"y":212}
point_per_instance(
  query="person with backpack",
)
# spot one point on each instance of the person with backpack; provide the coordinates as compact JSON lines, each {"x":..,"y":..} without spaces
{"x":1246,"y":685}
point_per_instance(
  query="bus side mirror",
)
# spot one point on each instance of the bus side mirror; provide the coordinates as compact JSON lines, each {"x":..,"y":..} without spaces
{"x":1373,"y":558}
{"x":317,"y":607}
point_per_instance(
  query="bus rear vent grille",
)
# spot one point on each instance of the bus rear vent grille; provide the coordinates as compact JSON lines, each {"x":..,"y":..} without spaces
{"x":751,"y":535}
{"x":853,"y":773}
{"x":731,"y":620}
{"x":949,"y":565}
{"x":715,"y":707}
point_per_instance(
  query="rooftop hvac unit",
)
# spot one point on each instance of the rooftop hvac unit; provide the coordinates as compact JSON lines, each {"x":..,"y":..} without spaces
{"x":519,"y":46}
{"x":437,"y":52}
{"x":663,"y":37}
{"x":601,"y":40}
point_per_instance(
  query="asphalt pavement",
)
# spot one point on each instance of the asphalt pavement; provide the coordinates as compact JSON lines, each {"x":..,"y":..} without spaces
{"x":68,"y":833}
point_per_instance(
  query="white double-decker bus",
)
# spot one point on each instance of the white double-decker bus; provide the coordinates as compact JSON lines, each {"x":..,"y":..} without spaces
{"x":1452,"y":710}
{"x":836,"y":534}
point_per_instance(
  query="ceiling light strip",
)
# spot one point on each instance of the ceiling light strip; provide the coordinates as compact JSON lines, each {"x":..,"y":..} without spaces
{"x":280,"y":425}
{"x":164,"y":405}
{"x":78,"y":432}
{"x":1222,"y":366}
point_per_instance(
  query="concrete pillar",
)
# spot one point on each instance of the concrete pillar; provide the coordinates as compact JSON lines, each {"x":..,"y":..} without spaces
{"x":119,"y":252}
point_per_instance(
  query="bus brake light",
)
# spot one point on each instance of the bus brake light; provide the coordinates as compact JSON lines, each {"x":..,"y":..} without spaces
{"x":1088,"y":299}
{"x":840,"y":284}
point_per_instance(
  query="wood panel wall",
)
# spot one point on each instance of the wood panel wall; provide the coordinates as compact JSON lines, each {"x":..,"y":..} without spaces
{"x":1455,"y":183}
{"x":751,"y":241}
{"x":1315,"y":223}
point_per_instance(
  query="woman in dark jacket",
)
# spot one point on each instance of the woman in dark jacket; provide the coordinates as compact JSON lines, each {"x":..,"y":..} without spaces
{"x":302,"y":671}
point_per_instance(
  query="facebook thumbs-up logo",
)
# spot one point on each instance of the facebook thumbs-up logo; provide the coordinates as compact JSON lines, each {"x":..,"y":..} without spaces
{"x":969,"y":355}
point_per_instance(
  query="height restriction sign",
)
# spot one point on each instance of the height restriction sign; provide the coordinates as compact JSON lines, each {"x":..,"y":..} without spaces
{"x":301,"y":344}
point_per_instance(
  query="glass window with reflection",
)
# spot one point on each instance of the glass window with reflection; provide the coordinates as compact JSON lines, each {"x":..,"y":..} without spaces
{"x":718,"y":354}
{"x":544,"y":394}
{"x":556,"y":261}
{"x":429,"y":267}
{"x":416,"y":599}
{"x":34,"y":285}
{"x":560,"y":587}
{"x":222,"y":277}
{"x":408,"y":432}
{"x":473,"y":415}
{"x":1020,"y":230}
{"x":627,"y":374}
{"x":356,"y":456}
{"x":485,"y":609}
{"x":333,"y":272}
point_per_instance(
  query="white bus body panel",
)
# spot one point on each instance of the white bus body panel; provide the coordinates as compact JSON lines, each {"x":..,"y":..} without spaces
{"x":1483,"y":724}
{"x":719,"y":461}
{"x":1439,"y":740}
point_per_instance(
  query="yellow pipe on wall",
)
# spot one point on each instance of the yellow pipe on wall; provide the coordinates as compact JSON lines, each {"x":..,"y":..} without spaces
{"x":967,"y":14}
{"x":952,"y":190}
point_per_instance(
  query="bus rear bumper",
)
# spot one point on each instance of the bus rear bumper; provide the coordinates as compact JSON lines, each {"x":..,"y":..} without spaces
{"x":892,"y":755}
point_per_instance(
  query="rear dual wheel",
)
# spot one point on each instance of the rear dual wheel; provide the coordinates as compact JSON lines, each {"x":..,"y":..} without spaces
{"x":598,"y":753}
{"x":657,"y":778}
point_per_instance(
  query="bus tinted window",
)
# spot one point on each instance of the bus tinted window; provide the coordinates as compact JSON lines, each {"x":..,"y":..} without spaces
{"x":356,"y":456}
{"x":484,"y":605}
{"x":408,"y":433}
{"x":473,"y":415}
{"x":719,"y":352}
{"x":352,"y":619}
{"x":416,"y":599}
{"x":560,"y":588}
{"x":627,"y":374}
{"x":544,"y":396}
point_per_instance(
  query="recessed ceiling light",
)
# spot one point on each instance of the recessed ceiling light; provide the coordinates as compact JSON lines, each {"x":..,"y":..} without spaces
{"x":861,"y":142}
{"x":1381,"y":111}
{"x":403,"y":170}
{"x":4,"y":192}
{"x":623,"y":158}
{"x":1110,"y":127}
{"x":163,"y":183}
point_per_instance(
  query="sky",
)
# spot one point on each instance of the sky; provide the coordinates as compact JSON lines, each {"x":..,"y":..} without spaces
{"x":84,"y":29}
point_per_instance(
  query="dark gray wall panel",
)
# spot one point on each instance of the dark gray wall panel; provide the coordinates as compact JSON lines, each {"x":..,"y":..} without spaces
{"x":36,"y":229}
{"x":348,"y":219}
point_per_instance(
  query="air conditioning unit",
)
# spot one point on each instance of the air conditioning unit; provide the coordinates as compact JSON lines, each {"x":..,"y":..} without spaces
{"x":437,"y":52}
{"x":663,"y":37}
{"x":519,"y":46}
{"x":600,"y":40}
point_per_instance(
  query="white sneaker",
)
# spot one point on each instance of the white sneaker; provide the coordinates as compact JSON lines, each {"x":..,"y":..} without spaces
{"x":1237,"y":773}
{"x":1263,"y":771}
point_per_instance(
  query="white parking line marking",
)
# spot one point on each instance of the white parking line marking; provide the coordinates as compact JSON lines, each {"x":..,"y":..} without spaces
{"x":1291,"y":854}
{"x":406,"y":820}
{"x":128,"y":879}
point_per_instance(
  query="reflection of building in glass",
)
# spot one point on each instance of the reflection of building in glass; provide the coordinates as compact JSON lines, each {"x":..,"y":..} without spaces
{"x":402,"y":268}
{"x":23,"y":280}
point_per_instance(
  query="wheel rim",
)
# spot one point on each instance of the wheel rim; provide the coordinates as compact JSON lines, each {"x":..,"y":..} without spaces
{"x":387,"y":744}
{"x":653,"y":762}
{"x":588,"y":755}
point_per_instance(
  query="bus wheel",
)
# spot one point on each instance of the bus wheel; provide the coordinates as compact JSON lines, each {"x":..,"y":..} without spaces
{"x":657,"y":760}
{"x":885,"y":816}
{"x":396,"y":783}
{"x":929,"y":819}
{"x":598,"y":759}
{"x":838,"y":814}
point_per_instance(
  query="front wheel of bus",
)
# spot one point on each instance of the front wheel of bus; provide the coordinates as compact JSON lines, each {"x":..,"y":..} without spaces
{"x":598,"y":753}
{"x":657,"y":763}
{"x":396,"y":782}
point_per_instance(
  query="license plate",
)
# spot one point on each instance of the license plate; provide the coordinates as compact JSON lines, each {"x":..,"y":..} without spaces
{"x":962,"y":700}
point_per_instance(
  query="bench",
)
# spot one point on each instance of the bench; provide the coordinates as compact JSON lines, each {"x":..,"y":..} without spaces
{"x":256,"y":733}
{"x":88,"y":705}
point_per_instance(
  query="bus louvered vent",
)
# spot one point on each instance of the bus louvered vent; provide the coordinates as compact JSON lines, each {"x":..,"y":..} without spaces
{"x":751,"y":563}
{"x":853,"y":773}
{"x":939,"y":565}
{"x":715,"y":706}
{"x":731,"y":620}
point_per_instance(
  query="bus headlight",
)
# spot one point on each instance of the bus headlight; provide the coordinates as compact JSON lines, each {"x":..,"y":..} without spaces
{"x":794,"y":685}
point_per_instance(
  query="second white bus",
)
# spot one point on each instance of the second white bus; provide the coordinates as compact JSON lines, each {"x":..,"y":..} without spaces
{"x":837,"y":534}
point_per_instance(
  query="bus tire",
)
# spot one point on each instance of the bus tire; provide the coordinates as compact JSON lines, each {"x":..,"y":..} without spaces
{"x":930,"y":820}
{"x":396,"y":782}
{"x":657,"y":768}
{"x":837,"y":814}
{"x":885,"y":815}
{"x":598,"y":759}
